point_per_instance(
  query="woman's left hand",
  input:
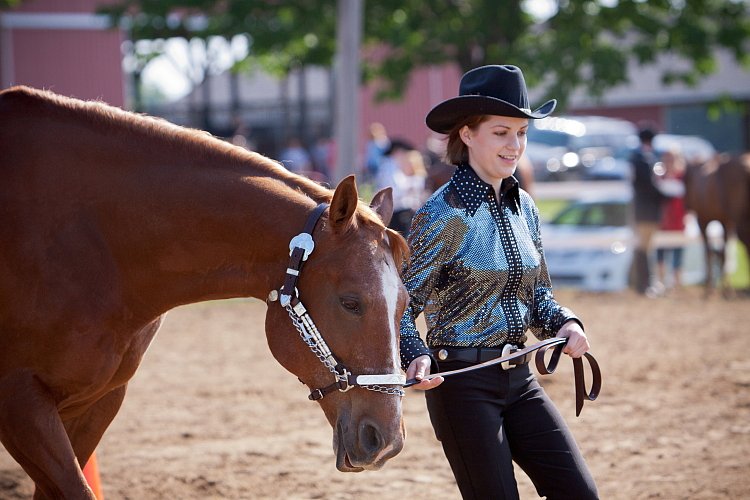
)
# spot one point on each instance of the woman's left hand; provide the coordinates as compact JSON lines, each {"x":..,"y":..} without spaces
{"x":578,"y":343}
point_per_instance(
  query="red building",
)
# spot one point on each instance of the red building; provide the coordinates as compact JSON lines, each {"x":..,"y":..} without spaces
{"x":405,"y":118}
{"x":62,"y":46}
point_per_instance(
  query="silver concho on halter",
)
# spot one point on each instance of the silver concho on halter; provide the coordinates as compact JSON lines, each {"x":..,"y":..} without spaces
{"x":303,"y":241}
{"x":306,"y":243}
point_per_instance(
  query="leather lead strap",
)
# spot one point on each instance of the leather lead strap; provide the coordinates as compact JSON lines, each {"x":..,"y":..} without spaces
{"x":596,"y":381}
{"x":556,"y":344}
{"x":544,"y":344}
{"x":578,"y":373}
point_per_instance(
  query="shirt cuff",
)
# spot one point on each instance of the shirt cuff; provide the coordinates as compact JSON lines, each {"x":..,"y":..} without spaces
{"x":567,"y":315}
{"x":411,"y":349}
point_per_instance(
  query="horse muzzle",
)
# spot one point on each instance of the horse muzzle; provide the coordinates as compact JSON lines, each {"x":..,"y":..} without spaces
{"x":365,"y":446}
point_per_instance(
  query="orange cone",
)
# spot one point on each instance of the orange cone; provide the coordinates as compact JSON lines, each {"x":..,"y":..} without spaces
{"x":91,"y":473}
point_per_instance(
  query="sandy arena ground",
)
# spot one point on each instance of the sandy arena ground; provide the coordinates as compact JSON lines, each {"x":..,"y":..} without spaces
{"x":210,"y":414}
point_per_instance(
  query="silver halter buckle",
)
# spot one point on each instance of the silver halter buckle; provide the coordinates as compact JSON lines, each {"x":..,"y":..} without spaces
{"x":303,"y":241}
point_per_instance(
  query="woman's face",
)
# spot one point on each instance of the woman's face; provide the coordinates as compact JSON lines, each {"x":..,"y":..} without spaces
{"x":495,"y":147}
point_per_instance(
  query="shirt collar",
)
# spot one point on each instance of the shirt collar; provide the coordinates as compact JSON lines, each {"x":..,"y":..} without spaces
{"x":473,"y":191}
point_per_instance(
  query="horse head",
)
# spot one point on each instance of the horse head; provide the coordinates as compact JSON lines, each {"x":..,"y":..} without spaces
{"x":351,"y":289}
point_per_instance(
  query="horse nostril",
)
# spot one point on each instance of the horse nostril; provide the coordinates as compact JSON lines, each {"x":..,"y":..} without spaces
{"x":371,"y":439}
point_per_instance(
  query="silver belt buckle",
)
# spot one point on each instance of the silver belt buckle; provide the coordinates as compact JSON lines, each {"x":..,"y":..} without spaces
{"x":508,"y":349}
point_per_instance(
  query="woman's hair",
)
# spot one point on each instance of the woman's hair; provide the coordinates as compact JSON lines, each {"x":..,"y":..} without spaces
{"x":456,"y":151}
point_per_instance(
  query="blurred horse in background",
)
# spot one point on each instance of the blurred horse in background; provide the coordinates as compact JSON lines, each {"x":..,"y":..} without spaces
{"x":719,"y":190}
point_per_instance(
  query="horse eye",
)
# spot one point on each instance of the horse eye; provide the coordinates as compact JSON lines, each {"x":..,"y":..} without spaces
{"x":351,"y":305}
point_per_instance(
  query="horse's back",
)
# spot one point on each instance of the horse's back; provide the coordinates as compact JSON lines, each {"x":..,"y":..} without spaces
{"x":737,"y":194}
{"x":53,"y":255}
{"x":736,"y":179}
{"x":719,"y":190}
{"x":704,"y":191}
{"x":15,"y":103}
{"x":16,"y":106}
{"x":23,"y":113}
{"x":34,"y":132}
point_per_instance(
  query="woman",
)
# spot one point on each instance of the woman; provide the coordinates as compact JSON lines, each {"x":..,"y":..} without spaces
{"x":477,"y":270}
{"x":673,"y":222}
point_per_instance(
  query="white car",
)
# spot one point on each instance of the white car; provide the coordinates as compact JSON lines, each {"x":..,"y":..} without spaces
{"x":695,"y":149}
{"x":579,"y":147}
{"x":589,"y":245}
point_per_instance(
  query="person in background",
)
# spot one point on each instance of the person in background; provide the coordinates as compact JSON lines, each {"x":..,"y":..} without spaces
{"x":525,"y":175}
{"x":477,"y":271}
{"x":403,"y":170}
{"x":377,"y":144}
{"x":647,"y":205}
{"x":241,"y":135}
{"x":295,"y":157}
{"x":390,"y":166}
{"x":438,"y":171}
{"x":409,"y":192}
{"x":323,"y":158}
{"x":672,"y":222}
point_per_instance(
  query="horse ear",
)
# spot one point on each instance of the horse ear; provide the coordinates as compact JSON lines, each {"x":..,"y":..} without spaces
{"x":382,"y":203}
{"x":344,"y":203}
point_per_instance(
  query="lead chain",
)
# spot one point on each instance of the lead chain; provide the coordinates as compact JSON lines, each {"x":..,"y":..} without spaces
{"x":311,"y":342}
{"x":309,"y":334}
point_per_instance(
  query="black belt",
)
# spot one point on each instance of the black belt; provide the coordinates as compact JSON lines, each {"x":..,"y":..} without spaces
{"x":479,"y":354}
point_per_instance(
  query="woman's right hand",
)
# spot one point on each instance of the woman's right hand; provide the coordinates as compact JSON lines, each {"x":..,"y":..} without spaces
{"x":419,"y":369}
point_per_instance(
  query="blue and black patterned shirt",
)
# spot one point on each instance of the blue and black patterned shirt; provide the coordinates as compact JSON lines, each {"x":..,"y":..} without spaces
{"x":477,"y":269}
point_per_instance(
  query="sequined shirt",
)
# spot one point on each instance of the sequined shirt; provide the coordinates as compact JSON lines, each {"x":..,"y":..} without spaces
{"x":477,"y":269}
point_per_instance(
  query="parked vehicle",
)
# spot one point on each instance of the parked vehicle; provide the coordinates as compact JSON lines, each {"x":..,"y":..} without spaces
{"x":589,"y":245}
{"x":617,"y":166}
{"x":694,"y":148}
{"x":579,"y":147}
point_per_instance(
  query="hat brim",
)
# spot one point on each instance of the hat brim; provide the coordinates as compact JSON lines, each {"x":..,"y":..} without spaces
{"x":445,"y":115}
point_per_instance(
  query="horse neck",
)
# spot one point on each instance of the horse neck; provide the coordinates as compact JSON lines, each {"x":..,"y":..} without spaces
{"x":211,"y":227}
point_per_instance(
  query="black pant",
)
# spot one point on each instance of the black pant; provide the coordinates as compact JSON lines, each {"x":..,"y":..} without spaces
{"x":489,"y":418}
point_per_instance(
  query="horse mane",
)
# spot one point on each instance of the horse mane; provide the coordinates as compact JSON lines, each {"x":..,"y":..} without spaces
{"x":173,"y":139}
{"x":399,"y":249}
{"x":398,"y":246}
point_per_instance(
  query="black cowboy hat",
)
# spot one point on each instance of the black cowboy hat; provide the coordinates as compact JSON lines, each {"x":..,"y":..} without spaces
{"x":487,"y":90}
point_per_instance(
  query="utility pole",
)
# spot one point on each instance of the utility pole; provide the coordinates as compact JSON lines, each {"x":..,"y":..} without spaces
{"x":348,"y":37}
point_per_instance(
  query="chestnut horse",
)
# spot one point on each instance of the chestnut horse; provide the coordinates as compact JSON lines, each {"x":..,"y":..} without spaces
{"x":719,"y":190}
{"x":111,"y":219}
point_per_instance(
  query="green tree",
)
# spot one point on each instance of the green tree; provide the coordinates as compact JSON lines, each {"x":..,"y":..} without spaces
{"x":582,"y":44}
{"x":283,"y":34}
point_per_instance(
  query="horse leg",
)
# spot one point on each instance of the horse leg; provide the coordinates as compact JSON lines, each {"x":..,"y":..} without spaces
{"x":743,"y":234}
{"x":86,"y":430}
{"x":726,"y":290}
{"x":708,"y":256}
{"x":34,"y":435}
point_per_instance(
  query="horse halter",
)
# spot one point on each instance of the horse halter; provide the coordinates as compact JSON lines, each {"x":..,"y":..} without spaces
{"x":300,"y":248}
